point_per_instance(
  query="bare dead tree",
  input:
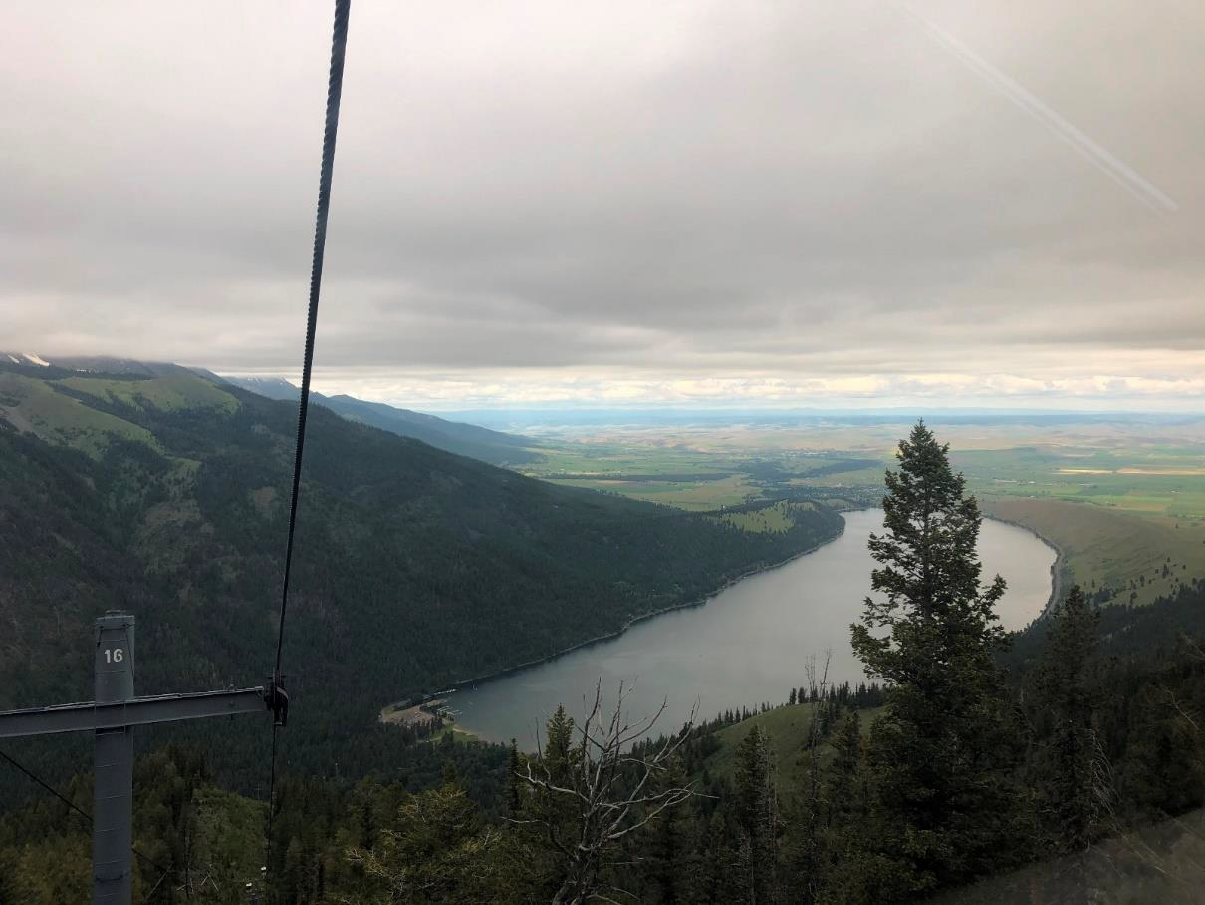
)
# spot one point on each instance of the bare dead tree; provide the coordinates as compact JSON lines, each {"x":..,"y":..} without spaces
{"x":612,"y":789}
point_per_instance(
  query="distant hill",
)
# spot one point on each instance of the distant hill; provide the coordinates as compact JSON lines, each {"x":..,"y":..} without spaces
{"x":463,"y":439}
{"x":154,"y":489}
{"x":89,"y":364}
{"x":272,"y":387}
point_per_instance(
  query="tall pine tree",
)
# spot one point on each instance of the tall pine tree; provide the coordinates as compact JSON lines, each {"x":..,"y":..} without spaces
{"x":514,"y":793}
{"x":757,"y":815}
{"x":537,"y":861}
{"x":942,"y":805}
{"x":844,"y":814}
{"x":1070,"y":770}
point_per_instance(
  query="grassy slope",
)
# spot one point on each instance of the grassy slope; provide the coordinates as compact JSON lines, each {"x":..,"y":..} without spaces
{"x":788,"y":725}
{"x":170,"y":393}
{"x":33,"y":405}
{"x":1110,"y":548}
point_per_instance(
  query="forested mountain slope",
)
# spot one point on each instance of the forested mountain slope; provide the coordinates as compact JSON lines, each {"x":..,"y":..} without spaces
{"x":166,"y":494}
{"x":470,"y":440}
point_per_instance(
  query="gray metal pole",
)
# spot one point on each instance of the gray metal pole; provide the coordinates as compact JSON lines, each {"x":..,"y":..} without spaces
{"x":111,"y":717}
{"x":112,"y":810}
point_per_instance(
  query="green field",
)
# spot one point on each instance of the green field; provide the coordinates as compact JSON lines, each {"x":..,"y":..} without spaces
{"x":698,"y":496}
{"x":653,"y":472}
{"x":1124,"y":502}
{"x":1152,"y":479}
{"x":699,"y":475}
{"x":1128,"y":517}
{"x":778,"y":517}
{"x":1155,"y":480}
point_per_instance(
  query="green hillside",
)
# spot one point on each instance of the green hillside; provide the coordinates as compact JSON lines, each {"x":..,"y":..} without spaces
{"x":166,"y":494}
{"x":33,"y":406}
{"x":1118,"y":557}
{"x":788,"y":726}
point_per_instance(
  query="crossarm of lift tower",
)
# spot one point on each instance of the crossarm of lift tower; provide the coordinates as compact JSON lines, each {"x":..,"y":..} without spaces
{"x":133,"y":712}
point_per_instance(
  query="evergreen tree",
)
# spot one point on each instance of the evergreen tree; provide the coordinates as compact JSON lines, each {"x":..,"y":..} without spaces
{"x":670,"y":855}
{"x":434,"y":852}
{"x":842,"y":793}
{"x":558,"y":748}
{"x":942,"y":802}
{"x":717,"y":865}
{"x":1070,"y":771}
{"x":514,"y":764}
{"x":845,"y":804}
{"x":536,"y":864}
{"x":757,"y":815}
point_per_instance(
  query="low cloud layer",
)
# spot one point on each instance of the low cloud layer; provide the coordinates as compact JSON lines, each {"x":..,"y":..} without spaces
{"x":785,"y":203}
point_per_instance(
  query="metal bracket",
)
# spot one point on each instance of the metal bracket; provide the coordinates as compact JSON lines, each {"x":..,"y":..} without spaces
{"x":277,"y":699}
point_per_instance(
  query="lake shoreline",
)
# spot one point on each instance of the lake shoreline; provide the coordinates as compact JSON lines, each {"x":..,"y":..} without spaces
{"x":1058,"y":569}
{"x":1057,"y":582}
{"x":611,"y":636}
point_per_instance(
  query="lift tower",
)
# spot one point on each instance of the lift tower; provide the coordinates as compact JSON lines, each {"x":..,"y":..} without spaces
{"x":112,"y":717}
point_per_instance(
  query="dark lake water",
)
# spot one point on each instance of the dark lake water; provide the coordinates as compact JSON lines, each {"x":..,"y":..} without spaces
{"x":749,"y":643}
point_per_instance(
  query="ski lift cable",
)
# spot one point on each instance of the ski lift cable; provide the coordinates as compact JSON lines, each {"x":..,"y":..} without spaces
{"x":334,"y":94}
{"x":278,"y":699}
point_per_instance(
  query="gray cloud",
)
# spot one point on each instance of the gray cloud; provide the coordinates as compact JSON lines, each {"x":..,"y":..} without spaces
{"x":539,"y":195}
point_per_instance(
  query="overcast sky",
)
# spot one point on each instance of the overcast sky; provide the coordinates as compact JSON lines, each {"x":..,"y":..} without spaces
{"x":781,"y":203}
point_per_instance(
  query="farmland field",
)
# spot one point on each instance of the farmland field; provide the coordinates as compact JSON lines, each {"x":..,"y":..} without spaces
{"x":1123,"y":497}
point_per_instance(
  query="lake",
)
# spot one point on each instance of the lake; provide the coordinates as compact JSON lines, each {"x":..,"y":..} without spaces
{"x":750,"y":643}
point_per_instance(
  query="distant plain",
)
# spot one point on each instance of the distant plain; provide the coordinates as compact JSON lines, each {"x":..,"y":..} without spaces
{"x":1122,"y":496}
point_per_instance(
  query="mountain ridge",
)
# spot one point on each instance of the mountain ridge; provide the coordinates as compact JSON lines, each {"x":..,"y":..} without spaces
{"x":461,"y":438}
{"x":167,"y":496}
